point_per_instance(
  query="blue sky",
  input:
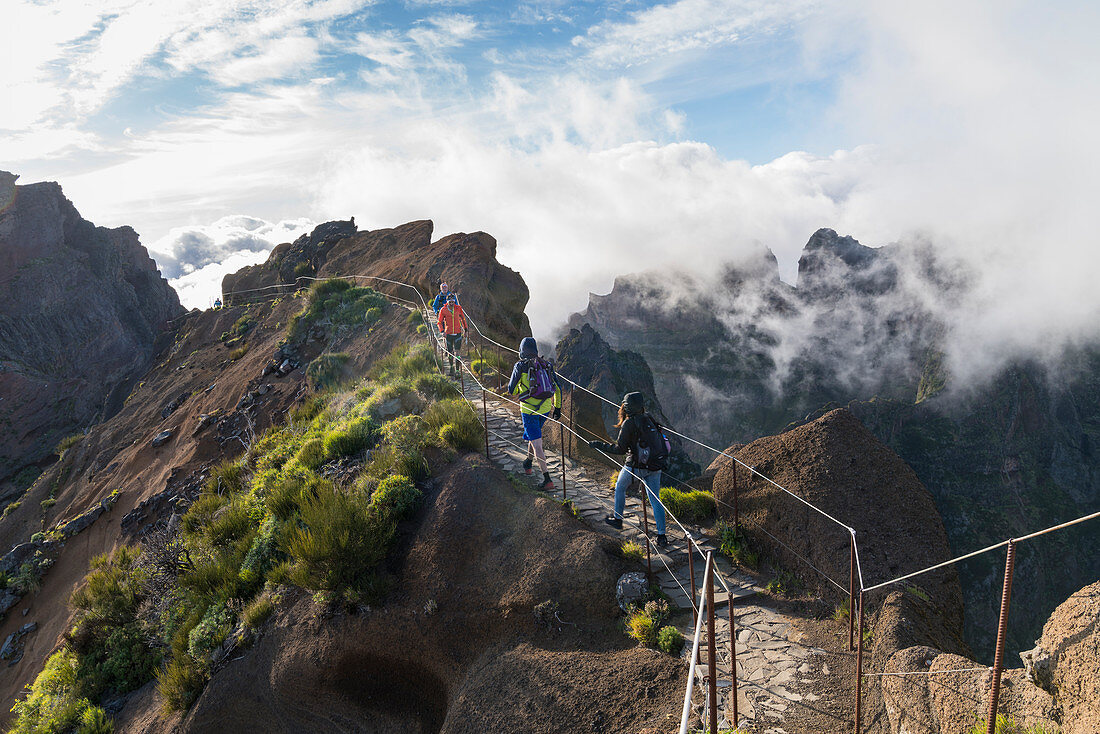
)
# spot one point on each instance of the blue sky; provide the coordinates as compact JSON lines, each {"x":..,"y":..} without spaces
{"x":616,"y":135}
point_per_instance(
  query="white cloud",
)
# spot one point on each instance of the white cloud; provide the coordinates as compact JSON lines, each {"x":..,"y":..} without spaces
{"x":194,"y":259}
{"x":661,"y":31}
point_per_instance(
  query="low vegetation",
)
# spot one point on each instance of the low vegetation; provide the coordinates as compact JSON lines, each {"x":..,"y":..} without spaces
{"x":692,"y":506}
{"x":735,"y":545}
{"x":67,"y":443}
{"x":336,"y":302}
{"x":175,"y":607}
{"x":1005,"y":724}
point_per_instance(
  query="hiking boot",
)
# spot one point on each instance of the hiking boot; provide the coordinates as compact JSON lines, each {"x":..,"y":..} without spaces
{"x":547,"y":482}
{"x":615,"y":522}
{"x":527,"y":466}
{"x":662,"y":541}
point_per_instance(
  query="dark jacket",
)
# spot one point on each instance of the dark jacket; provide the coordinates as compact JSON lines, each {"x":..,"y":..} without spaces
{"x":628,"y":439}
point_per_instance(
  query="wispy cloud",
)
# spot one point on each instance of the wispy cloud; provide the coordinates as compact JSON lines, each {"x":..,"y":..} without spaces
{"x":686,"y":26}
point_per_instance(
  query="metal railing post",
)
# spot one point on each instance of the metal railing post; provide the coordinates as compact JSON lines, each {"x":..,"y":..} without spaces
{"x":485,"y":417}
{"x":1002,"y":627}
{"x":736,"y":514}
{"x":859,"y":664}
{"x":645,"y":529}
{"x":572,"y":421}
{"x":733,"y":665}
{"x":712,"y":663}
{"x":852,"y":594}
{"x":561,"y":441}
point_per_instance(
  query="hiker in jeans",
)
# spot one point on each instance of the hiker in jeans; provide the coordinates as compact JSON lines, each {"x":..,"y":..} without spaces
{"x":533,"y":379}
{"x":631,"y":412}
{"x":452,"y":322}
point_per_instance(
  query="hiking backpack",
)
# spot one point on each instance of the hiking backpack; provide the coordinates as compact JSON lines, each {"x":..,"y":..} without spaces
{"x":540,"y":379}
{"x":652,"y":447}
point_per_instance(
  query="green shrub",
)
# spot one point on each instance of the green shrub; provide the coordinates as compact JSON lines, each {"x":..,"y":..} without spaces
{"x":422,"y":329}
{"x":784,"y":584}
{"x":407,"y":433}
{"x":335,"y":302}
{"x":180,"y":683}
{"x":208,"y":635}
{"x":691,"y":506}
{"x":53,"y":703}
{"x":94,"y":720}
{"x":356,"y":436}
{"x":11,"y":508}
{"x":236,"y":521}
{"x":456,"y":423}
{"x":328,"y":371}
{"x":308,"y":410}
{"x":256,"y":613}
{"x":641,"y":628}
{"x":337,"y":543}
{"x":238,"y":353}
{"x":372,"y":315}
{"x":434,"y":386}
{"x":396,"y":496}
{"x":201,"y":513}
{"x":736,"y":546}
{"x":302,"y":269}
{"x":286,"y":496}
{"x":48,"y":503}
{"x":670,"y":640}
{"x":392,"y":399}
{"x":405,"y":363}
{"x":227,"y":478}
{"x":312,"y":453}
{"x":67,"y":443}
{"x":387,"y":460}
{"x":239,"y":328}
{"x":415,"y":317}
{"x":632,"y":551}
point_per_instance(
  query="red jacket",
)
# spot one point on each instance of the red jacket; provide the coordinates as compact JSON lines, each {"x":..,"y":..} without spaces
{"x":452,"y":320}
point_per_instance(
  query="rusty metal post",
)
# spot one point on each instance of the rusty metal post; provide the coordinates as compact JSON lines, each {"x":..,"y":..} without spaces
{"x":1002,"y":627}
{"x":733,"y":664}
{"x":852,"y":594}
{"x":561,"y":441}
{"x":736,"y":515}
{"x":645,"y":529}
{"x":859,"y":664}
{"x":485,"y":417}
{"x":712,"y":664}
{"x":572,"y":422}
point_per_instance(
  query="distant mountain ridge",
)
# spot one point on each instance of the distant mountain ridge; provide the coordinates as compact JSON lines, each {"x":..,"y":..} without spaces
{"x":745,"y":355}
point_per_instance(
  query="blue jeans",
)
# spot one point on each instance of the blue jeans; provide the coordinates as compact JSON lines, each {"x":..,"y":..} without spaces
{"x":652,"y":481}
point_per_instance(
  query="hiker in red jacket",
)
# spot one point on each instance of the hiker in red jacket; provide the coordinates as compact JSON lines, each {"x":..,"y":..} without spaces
{"x":452,"y":324}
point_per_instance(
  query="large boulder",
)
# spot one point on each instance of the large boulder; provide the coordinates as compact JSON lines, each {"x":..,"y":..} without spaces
{"x":1066,"y":661}
{"x":838,"y":466}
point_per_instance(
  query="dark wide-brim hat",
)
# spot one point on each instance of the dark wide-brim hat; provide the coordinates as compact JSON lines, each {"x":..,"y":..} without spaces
{"x":634,"y":402}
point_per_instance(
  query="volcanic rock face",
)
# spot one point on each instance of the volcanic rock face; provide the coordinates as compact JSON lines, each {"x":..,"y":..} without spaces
{"x":493,"y":295}
{"x":584,"y":357}
{"x":80,"y":309}
{"x":746,"y":355}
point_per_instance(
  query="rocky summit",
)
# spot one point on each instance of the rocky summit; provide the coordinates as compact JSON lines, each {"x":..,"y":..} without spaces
{"x":81,"y":308}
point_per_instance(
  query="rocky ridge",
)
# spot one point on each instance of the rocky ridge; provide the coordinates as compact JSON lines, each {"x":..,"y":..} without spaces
{"x":744,"y":355}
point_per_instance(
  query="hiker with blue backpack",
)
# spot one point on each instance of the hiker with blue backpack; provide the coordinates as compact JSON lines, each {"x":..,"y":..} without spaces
{"x":441,"y":297}
{"x":533,"y":379}
{"x":647,"y":448}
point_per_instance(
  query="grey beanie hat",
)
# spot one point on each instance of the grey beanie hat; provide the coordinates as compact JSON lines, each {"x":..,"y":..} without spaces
{"x":634,"y":402}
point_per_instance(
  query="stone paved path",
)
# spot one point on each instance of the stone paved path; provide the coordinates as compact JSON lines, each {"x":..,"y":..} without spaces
{"x":770,"y":665}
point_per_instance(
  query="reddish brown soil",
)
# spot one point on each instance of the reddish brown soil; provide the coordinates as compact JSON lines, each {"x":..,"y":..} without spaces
{"x":486,"y":553}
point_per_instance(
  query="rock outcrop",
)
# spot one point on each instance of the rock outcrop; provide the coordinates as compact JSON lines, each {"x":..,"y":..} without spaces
{"x":839,"y":466}
{"x":1066,"y":661}
{"x":492,"y":294}
{"x":81,"y":308}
